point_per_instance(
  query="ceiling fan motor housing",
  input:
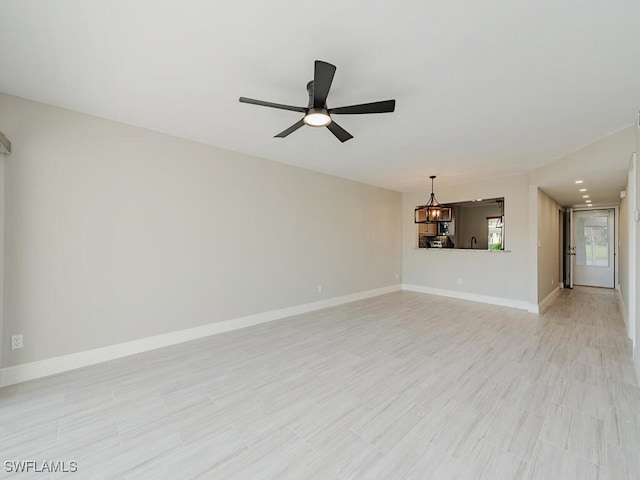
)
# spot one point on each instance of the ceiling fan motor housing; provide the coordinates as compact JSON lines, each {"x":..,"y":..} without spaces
{"x":310,"y":91}
{"x":316,"y":117}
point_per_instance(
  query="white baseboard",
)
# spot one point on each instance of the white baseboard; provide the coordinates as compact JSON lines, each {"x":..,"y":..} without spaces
{"x":625,"y":316}
{"x":623,"y":309}
{"x":52,"y":366}
{"x":474,"y":297}
{"x":546,"y":301}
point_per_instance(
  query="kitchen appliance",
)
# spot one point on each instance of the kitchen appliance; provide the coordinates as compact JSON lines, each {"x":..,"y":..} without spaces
{"x":444,"y":228}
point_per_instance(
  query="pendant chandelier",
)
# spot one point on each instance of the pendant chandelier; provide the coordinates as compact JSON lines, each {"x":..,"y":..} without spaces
{"x":431,"y":211}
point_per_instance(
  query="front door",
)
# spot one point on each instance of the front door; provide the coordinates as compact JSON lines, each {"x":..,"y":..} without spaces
{"x":593,"y":240}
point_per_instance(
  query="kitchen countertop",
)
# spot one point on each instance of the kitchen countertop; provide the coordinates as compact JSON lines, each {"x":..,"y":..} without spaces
{"x":466,"y":250}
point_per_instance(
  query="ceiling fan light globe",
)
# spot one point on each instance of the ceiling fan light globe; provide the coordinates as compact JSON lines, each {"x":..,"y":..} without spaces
{"x":317,"y":117}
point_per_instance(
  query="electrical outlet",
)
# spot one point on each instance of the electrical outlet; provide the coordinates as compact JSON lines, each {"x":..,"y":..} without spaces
{"x":397,"y":276}
{"x":319,"y":288}
{"x":16,"y":341}
{"x":459,"y":281}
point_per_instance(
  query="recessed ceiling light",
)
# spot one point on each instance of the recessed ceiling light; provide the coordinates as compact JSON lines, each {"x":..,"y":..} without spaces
{"x":585,"y":196}
{"x":478,"y":199}
{"x":583,"y":189}
{"x":588,"y":201}
{"x":579,"y":181}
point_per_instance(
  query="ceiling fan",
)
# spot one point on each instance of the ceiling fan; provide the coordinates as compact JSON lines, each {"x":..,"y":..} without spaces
{"x":317,"y":114}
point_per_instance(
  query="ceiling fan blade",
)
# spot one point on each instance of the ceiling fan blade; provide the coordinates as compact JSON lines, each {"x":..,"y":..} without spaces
{"x":375,"y":107}
{"x":322,"y":78}
{"x":289,"y":130}
{"x":273,"y":105}
{"x":340,"y":133}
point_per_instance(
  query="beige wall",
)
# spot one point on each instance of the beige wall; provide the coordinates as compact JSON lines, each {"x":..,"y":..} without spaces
{"x":4,"y":340}
{"x":115,"y":233}
{"x":548,"y":237}
{"x":629,"y":253}
{"x":634,"y":297}
{"x":497,"y":274}
{"x":624,"y":247}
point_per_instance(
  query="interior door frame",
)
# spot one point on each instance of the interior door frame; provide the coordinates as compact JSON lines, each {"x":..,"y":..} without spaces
{"x":568,"y":248}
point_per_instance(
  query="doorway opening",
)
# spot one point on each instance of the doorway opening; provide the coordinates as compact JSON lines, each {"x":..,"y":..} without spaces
{"x":591,"y":249}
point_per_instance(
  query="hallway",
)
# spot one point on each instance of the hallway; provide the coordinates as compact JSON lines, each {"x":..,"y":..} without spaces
{"x":595,"y":409}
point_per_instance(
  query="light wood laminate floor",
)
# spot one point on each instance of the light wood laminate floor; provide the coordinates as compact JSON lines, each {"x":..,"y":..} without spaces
{"x":401,"y":386}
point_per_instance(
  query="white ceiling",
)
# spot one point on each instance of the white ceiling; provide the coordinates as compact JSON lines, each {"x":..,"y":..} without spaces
{"x":483,"y":89}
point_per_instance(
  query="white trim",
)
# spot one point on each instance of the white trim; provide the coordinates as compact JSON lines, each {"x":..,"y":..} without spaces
{"x":542,"y":306}
{"x":474,"y":297}
{"x":632,"y":255}
{"x":52,"y":366}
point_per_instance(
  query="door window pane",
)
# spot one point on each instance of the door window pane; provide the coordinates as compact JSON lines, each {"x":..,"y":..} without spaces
{"x":592,"y":242}
{"x":494,"y":227}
